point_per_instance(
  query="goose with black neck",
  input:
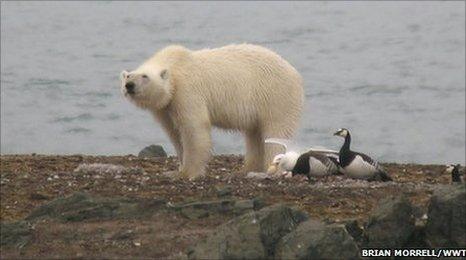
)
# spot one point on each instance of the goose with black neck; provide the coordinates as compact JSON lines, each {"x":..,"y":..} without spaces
{"x":454,"y":170}
{"x":358,"y":165}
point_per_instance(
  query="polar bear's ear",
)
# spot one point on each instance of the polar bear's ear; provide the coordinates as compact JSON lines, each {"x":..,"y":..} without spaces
{"x":123,"y":75}
{"x":164,"y":74}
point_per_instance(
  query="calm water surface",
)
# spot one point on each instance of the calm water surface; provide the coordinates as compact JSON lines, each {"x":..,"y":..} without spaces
{"x":392,"y":72}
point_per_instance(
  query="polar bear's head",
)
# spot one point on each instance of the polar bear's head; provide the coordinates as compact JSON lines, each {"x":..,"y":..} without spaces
{"x":146,"y":87}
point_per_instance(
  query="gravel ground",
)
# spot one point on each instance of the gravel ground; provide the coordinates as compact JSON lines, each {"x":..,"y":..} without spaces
{"x":28,"y":181}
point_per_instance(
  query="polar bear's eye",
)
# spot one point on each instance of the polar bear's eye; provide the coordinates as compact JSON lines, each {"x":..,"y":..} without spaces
{"x":144,"y":76}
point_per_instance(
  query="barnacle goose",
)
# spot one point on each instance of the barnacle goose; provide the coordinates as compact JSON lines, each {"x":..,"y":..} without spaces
{"x":358,"y":165}
{"x":314,"y":162}
{"x":454,"y":170}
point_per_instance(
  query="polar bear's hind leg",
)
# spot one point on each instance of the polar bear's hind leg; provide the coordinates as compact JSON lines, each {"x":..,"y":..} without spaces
{"x":254,"y":159}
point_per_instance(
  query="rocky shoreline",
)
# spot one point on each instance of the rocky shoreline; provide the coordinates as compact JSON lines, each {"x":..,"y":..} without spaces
{"x":59,"y":207}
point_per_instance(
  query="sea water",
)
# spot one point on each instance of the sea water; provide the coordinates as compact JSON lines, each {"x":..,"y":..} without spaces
{"x":391,"y":72}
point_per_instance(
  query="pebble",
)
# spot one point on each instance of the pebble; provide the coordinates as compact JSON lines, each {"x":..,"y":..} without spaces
{"x":257,"y":175}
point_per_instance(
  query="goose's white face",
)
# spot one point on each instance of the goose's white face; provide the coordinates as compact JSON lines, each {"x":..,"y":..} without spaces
{"x":273,"y":168}
{"x":288,"y":161}
{"x":277,"y":159}
{"x":341,"y":132}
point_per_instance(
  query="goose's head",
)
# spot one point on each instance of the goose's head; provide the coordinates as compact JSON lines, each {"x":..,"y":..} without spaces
{"x":452,"y":167}
{"x":286,"y":161}
{"x":275,"y":162}
{"x":343,"y":132}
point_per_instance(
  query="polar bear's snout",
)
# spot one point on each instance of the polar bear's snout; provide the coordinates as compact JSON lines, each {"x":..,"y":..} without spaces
{"x":130,"y":86}
{"x":132,"y":83}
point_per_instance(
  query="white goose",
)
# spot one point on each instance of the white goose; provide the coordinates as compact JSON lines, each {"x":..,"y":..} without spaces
{"x":316,"y":161}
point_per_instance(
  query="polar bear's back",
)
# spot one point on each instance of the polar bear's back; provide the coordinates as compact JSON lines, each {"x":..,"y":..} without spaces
{"x":249,"y":66}
{"x":242,"y":83}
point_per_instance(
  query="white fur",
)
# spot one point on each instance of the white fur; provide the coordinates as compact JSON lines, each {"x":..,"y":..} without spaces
{"x":240,"y":87}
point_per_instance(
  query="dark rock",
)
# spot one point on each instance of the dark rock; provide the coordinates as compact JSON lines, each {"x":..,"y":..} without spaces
{"x":81,"y":206}
{"x":16,"y":234}
{"x":39,"y":196}
{"x":353,"y":228}
{"x":259,"y":203}
{"x":251,"y":236}
{"x":124,"y":235}
{"x":315,"y":240}
{"x":223,"y":191}
{"x":152,"y":151}
{"x":446,"y":223}
{"x":419,"y":212}
{"x":418,"y":236}
{"x":202,"y":209}
{"x":391,"y":224}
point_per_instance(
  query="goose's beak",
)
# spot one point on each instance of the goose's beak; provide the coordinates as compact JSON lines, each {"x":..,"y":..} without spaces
{"x":336,"y":133}
{"x":272,"y":168}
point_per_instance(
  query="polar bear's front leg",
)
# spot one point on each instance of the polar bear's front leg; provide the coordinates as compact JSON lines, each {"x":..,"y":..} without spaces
{"x":196,"y":142}
{"x":173,"y":133}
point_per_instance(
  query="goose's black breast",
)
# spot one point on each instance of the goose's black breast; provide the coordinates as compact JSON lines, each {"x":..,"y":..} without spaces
{"x":346,"y":158}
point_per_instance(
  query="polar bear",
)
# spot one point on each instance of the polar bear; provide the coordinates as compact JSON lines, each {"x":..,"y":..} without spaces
{"x":242,"y":87}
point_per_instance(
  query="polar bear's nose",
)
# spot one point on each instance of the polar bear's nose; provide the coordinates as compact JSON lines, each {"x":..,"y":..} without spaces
{"x":130,"y":87}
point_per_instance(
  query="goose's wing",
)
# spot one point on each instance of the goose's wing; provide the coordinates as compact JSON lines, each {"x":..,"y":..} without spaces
{"x":361,"y":166}
{"x":288,"y":144}
{"x":323,"y":150}
{"x":379,"y":173}
{"x":365,"y":159}
{"x":318,"y":167}
{"x":329,"y":163}
{"x":334,"y":156}
{"x":279,"y":141}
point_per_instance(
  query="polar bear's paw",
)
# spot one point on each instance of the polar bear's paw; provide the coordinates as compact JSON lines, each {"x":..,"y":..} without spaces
{"x":191,"y":175}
